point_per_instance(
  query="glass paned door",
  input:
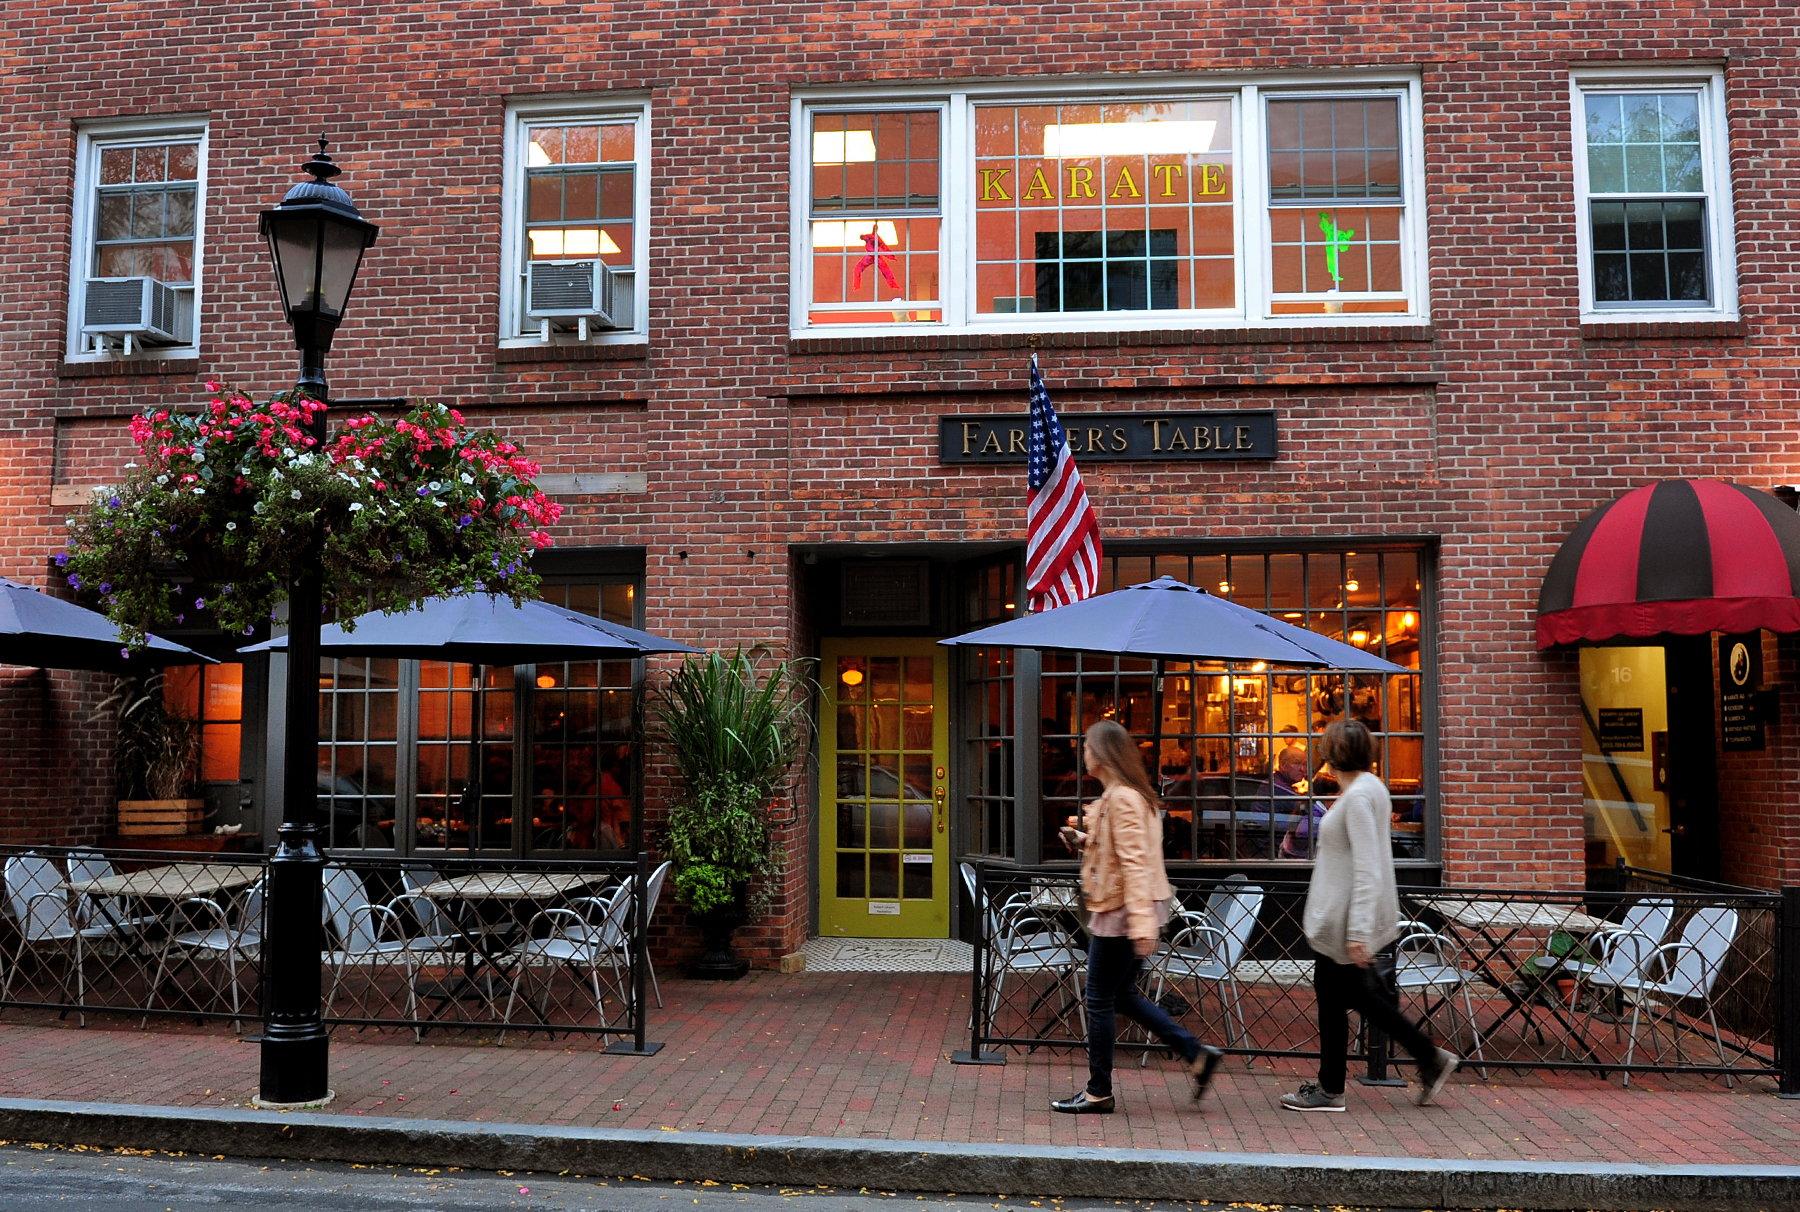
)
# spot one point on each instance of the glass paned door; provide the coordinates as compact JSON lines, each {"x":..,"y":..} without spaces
{"x":884,"y":848}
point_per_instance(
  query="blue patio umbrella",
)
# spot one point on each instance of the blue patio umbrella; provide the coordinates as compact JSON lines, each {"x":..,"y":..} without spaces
{"x":43,"y":632}
{"x":1177,"y":622}
{"x":482,"y":629}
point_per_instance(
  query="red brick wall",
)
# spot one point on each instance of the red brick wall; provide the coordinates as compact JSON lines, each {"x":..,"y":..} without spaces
{"x":1496,"y":428}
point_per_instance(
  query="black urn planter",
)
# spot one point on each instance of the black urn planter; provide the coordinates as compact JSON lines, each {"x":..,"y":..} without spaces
{"x":717,"y":962}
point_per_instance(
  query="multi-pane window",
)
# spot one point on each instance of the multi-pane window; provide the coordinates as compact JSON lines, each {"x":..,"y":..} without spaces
{"x":1653,"y":222}
{"x":359,"y":735}
{"x":1116,"y":207}
{"x":213,"y":697}
{"x":876,"y":216}
{"x":574,"y":230}
{"x":885,"y":706}
{"x":140,"y":201}
{"x":990,"y":745}
{"x":427,"y":756}
{"x":988,"y":209}
{"x":1336,"y":204}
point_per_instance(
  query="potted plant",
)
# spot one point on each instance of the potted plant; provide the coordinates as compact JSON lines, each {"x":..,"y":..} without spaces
{"x":733,"y":731}
{"x":158,"y":758}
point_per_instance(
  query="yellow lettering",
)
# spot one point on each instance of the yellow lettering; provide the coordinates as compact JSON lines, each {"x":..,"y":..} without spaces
{"x":1219,"y":439}
{"x":1038,"y":189}
{"x":1016,"y":441}
{"x":1125,"y":182}
{"x":1168,"y":173}
{"x":969,"y":428}
{"x":1081,"y":178}
{"x":1118,"y":440}
{"x":1212,"y":175}
{"x":1176,"y":441}
{"x":992,"y":444}
{"x":1202,"y":438}
{"x":1155,"y":433}
{"x":1243,"y":438}
{"x":993,"y":185}
{"x":1094,"y":440}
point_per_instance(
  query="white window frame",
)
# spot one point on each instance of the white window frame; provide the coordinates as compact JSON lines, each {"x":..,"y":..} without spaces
{"x":1708,"y":84}
{"x":90,"y":139}
{"x":514,"y":332}
{"x":1250,"y":201}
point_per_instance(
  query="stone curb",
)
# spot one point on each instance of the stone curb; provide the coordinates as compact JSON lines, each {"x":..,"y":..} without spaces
{"x":927,"y":1166}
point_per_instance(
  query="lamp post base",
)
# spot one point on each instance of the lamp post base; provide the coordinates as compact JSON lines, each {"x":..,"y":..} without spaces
{"x":295,"y":1070}
{"x":263,"y":1104}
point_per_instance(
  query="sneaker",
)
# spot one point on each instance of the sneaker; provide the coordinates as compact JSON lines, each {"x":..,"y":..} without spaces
{"x":1311,"y":1098}
{"x":1430,"y":1082}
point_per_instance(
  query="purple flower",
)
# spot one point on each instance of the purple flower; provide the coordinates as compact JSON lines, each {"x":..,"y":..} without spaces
{"x":249,"y":630}
{"x":113,"y":501}
{"x":74,"y":580}
{"x":199,"y":603}
{"x":423,"y":491}
{"x":464,"y":521}
{"x":62,"y":559}
{"x":126,"y":653}
{"x":105,"y":586}
{"x":181,"y":618}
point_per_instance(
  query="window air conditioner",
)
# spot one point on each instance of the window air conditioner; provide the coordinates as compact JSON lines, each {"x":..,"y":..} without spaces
{"x":139,"y":308}
{"x":569,"y":290}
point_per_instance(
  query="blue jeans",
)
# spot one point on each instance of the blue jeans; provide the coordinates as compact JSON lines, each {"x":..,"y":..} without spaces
{"x":1113,"y":969}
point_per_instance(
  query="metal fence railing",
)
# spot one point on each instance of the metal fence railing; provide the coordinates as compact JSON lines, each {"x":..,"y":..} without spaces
{"x":421,"y":944}
{"x":1654,"y":980}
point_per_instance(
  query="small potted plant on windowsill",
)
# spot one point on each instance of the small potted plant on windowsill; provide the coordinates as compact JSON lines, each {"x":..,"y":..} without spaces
{"x":733,"y":731}
{"x":158,"y":759}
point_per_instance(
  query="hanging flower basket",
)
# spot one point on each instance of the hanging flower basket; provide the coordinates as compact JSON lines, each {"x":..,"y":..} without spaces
{"x":228,"y":498}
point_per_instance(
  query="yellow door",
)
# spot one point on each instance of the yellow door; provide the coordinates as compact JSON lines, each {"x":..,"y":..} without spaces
{"x":884,"y":845}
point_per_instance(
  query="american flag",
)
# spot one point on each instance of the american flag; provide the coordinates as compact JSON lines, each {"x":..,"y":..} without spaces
{"x":1062,"y":541}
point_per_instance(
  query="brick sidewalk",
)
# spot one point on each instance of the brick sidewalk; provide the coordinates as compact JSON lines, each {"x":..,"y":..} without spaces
{"x":868,"y":1056}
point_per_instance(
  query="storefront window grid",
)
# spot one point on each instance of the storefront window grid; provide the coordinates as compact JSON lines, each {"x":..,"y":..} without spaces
{"x":1252,"y":227}
{"x":1380,"y":592}
{"x":577,"y":792}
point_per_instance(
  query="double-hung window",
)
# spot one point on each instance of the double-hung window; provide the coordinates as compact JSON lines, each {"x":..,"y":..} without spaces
{"x":1653,"y":197}
{"x":1003,"y":210}
{"x":574,"y":238}
{"x":135,"y":274}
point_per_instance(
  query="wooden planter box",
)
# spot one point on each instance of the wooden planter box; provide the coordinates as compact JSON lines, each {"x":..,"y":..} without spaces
{"x":160,"y":818}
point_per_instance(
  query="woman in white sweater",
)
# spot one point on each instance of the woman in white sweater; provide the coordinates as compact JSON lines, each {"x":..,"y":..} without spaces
{"x":1352,"y":912}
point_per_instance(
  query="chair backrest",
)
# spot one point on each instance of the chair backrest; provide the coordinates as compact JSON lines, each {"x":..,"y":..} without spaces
{"x":92,"y":865}
{"x":431,"y":916}
{"x":28,"y":878}
{"x":1221,"y":896}
{"x":250,"y":918}
{"x":1640,"y":934}
{"x":653,"y":889}
{"x":344,"y":897}
{"x":1238,"y":921}
{"x":610,"y":931}
{"x":1706,"y":938}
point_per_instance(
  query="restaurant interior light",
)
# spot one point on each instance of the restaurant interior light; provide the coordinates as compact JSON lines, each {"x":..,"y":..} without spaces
{"x":835,"y":233}
{"x":843,"y":147}
{"x":1224,"y":586}
{"x":1293,"y":614}
{"x":1359,"y":638}
{"x":572,"y":242}
{"x":546,"y":681}
{"x":1081,"y":140}
{"x":851,"y":677}
{"x":1408,"y":619}
{"x":1352,"y":586}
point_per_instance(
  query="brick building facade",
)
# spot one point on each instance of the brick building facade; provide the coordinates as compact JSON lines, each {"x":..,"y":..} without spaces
{"x":1488,"y":369}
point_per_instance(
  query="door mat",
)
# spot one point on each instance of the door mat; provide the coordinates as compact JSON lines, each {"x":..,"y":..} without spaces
{"x":887,"y":955}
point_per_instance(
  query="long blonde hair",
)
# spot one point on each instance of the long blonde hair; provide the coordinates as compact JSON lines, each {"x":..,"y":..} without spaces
{"x":1112,"y":746}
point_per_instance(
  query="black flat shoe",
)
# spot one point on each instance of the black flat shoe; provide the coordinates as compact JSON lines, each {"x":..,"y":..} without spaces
{"x":1081,"y":1104}
{"x":1202,"y":1067}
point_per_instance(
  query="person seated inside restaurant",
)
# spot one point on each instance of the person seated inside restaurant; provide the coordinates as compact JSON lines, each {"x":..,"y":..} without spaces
{"x":1287,"y":790}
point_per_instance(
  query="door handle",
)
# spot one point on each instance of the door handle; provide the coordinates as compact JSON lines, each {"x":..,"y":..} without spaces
{"x":942,"y":797}
{"x":1678,"y":831}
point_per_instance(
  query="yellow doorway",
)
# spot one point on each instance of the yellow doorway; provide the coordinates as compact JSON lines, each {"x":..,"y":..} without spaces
{"x":884,"y":838}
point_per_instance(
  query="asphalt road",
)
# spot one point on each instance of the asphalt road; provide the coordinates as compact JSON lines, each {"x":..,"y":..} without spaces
{"x":39,"y":1179}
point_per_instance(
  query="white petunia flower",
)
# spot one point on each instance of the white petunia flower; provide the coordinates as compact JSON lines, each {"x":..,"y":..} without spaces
{"x":295,"y":494}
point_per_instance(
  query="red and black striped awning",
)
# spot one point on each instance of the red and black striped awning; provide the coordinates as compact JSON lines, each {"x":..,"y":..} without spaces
{"x":1681,"y":557}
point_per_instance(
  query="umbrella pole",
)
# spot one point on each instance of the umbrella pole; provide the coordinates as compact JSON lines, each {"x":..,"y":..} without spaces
{"x":295,"y":1047}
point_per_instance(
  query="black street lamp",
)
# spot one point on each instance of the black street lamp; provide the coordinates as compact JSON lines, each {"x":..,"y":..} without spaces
{"x":316,"y":239}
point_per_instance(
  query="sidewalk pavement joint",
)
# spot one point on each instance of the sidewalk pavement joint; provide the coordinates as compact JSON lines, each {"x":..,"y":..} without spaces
{"x":965,"y":1168}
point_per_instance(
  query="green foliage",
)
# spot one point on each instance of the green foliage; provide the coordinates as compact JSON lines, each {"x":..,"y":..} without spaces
{"x":733,"y":734}
{"x":159,"y":749}
{"x":229,"y":498}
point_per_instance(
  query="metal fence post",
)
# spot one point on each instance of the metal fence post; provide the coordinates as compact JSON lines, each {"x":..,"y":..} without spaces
{"x":1375,"y":1040}
{"x":1788,"y":1003}
{"x":978,"y":981}
{"x":640,"y":943}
